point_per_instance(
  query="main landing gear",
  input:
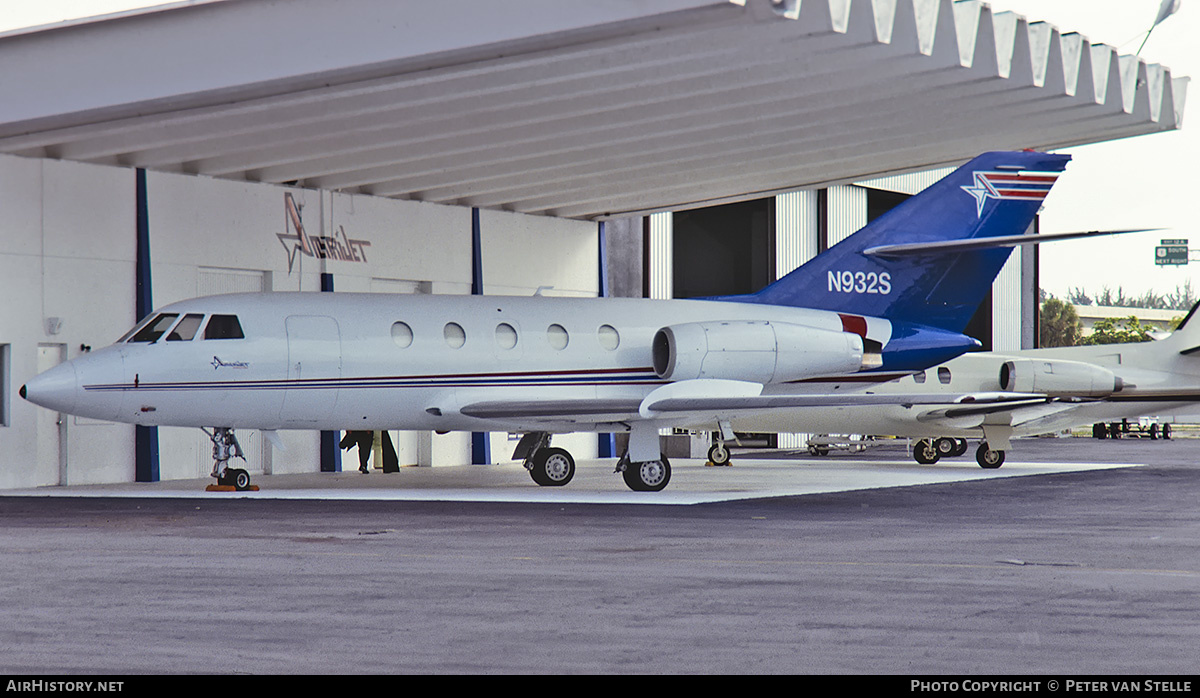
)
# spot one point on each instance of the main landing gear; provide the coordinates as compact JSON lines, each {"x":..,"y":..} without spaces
{"x":225,"y":447}
{"x":647,"y":476}
{"x":554,"y":467}
{"x":549,"y":467}
{"x":930,"y":451}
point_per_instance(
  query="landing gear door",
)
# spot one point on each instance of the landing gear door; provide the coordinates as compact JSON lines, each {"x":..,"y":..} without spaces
{"x":314,"y":367}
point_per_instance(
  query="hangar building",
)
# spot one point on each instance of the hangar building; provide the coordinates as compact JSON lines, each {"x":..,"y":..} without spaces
{"x":659,"y":148}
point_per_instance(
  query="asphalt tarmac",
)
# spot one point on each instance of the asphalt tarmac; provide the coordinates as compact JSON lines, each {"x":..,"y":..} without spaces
{"x":1078,"y":557}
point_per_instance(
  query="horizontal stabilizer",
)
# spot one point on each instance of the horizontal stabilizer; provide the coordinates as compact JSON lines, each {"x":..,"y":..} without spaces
{"x":950,"y":246}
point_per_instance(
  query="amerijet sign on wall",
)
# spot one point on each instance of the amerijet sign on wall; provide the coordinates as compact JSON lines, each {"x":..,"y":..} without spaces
{"x":339,"y":246}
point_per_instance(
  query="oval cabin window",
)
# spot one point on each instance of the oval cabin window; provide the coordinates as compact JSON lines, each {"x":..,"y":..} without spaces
{"x":455,"y":335}
{"x":608,"y":336}
{"x":506,"y":336}
{"x":557,"y":336}
{"x":402,"y":335}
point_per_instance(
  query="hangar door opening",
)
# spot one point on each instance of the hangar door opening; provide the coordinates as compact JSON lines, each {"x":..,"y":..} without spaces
{"x":724,"y":250}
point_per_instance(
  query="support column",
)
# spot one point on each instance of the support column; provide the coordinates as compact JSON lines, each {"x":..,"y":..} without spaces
{"x":481,"y":448}
{"x":606,"y":444}
{"x":331,"y":453}
{"x":145,"y":439}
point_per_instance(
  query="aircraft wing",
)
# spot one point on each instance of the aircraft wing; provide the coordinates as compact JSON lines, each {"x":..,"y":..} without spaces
{"x":732,"y":399}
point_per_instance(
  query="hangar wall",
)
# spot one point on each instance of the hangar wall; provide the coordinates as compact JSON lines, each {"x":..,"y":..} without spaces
{"x":67,"y":277}
{"x":68,"y":272}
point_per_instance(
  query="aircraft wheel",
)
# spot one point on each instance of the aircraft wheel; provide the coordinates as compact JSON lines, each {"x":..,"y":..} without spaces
{"x":925,"y":452}
{"x":552,"y":467}
{"x":945,"y":447}
{"x":650,"y":476}
{"x":1166,"y":431}
{"x":240,"y":479}
{"x":987,"y":458}
{"x":718,"y":454}
{"x":1099,"y":431}
{"x":1154,"y":432}
{"x":818,"y":450}
{"x":960,"y":447}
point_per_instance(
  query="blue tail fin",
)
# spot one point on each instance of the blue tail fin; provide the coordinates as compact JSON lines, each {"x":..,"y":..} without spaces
{"x":995,"y":194}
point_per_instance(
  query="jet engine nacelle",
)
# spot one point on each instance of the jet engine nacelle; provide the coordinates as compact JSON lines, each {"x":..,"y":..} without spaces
{"x":758,"y":351}
{"x":1058,"y":377}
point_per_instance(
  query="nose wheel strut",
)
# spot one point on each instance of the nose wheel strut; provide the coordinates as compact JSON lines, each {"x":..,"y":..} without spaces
{"x":226,"y":447}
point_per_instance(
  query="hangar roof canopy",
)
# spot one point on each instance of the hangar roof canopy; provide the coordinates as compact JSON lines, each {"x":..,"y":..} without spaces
{"x":574,"y":109}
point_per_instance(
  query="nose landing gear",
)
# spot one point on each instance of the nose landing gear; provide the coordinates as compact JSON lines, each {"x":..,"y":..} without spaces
{"x":225,"y":447}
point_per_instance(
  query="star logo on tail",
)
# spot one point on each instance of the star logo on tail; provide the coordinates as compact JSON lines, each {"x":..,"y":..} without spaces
{"x":1023,"y":185}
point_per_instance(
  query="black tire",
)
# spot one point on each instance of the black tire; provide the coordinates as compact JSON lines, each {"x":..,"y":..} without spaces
{"x":945,"y":447}
{"x":650,"y":476}
{"x":1099,"y":431}
{"x":240,"y":479}
{"x":987,"y":458}
{"x":1166,"y":431}
{"x":1154,"y":432}
{"x":960,"y":447}
{"x":552,"y":467}
{"x":1114,"y":430}
{"x":718,"y":454}
{"x":925,"y":453}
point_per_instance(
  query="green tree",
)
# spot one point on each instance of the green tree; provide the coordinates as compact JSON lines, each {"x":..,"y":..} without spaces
{"x":1059,"y":324}
{"x":1108,"y":332}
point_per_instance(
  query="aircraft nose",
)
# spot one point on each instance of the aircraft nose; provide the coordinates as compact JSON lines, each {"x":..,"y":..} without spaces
{"x":56,"y":389}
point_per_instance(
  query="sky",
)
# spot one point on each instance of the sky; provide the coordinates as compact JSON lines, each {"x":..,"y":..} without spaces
{"x":1142,"y":182}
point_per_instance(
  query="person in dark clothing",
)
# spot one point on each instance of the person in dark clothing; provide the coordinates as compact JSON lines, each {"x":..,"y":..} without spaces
{"x":364,"y":441}
{"x":391,"y":462}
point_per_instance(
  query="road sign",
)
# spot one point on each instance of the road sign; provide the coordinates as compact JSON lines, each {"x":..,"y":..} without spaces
{"x":1171,"y":252}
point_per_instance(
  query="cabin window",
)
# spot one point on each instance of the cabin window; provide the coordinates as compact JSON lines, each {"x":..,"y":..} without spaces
{"x":943,"y":375}
{"x":186,"y":329}
{"x":223,"y":327}
{"x":506,"y":336}
{"x":455,"y":335}
{"x":155,"y":328}
{"x":609,"y":339}
{"x":919,"y":377}
{"x":402,"y":335}
{"x":557,"y":336}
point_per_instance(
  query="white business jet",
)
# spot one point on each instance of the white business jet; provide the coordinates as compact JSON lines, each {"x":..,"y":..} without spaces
{"x":1061,"y":388}
{"x":889,"y":300}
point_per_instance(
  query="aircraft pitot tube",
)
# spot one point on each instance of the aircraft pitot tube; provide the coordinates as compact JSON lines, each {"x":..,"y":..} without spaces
{"x":756,"y":351}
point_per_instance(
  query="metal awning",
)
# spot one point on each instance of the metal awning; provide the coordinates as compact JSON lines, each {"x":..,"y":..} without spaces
{"x":575,"y":109}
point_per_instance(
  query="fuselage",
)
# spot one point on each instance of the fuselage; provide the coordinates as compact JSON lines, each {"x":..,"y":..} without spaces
{"x":375,"y":361}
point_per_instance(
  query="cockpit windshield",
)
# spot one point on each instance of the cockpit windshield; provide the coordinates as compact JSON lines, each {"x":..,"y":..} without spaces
{"x":186,"y":329}
{"x":154,"y":329}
